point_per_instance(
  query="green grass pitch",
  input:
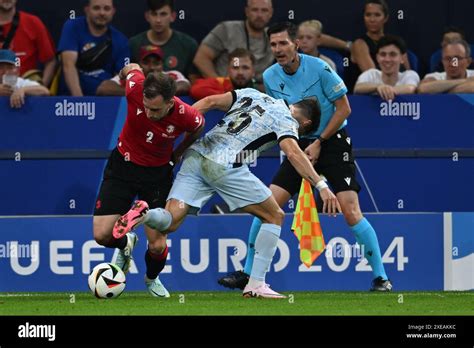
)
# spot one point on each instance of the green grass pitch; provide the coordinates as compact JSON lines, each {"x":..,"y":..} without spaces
{"x":232,"y":303}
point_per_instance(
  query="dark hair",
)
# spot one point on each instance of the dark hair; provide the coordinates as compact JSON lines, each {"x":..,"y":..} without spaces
{"x":462,"y":42}
{"x":388,"y":40}
{"x":155,"y":5}
{"x":289,"y":27}
{"x":453,"y":29}
{"x":242,"y":53}
{"x":88,"y":3}
{"x":156,"y":84}
{"x":311,"y":110}
{"x":382,"y":3}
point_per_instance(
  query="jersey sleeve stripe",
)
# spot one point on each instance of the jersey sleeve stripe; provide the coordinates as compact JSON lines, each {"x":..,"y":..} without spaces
{"x":283,"y":137}
{"x":234,"y":97}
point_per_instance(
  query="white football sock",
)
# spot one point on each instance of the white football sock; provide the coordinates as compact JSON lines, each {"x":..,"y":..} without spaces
{"x":265,"y":247}
{"x":254,"y":283}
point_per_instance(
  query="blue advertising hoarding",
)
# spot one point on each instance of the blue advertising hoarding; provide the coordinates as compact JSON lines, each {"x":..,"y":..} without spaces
{"x":57,"y":254}
{"x":81,"y":126}
{"x":409,"y":122}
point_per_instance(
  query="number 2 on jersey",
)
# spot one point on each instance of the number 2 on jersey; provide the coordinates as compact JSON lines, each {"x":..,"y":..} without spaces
{"x":149,"y":137}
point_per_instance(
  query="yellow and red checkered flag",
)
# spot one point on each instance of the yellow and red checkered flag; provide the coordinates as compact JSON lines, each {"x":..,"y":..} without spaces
{"x":306,"y":226}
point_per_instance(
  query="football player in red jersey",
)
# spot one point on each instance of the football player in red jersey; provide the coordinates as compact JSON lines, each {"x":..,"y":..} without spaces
{"x":142,"y":165}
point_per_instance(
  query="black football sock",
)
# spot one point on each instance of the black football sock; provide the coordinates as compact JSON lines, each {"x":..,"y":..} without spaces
{"x":118,"y":243}
{"x":155,"y":263}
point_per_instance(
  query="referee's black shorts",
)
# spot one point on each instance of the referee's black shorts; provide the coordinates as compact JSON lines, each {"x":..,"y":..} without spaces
{"x":335,"y":162}
{"x":124,"y":180}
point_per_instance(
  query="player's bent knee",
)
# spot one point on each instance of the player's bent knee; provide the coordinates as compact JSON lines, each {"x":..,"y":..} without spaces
{"x":174,"y":227}
{"x":353,"y":216}
{"x":102,"y":237}
{"x":277,"y":217}
{"x":177,"y":221}
{"x":157,"y":247}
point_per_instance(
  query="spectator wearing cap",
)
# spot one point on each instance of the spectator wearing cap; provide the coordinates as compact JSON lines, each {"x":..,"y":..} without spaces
{"x":179,"y":48}
{"x":212,"y":56}
{"x":13,"y":86}
{"x":240,"y":74}
{"x":456,"y":78}
{"x":388,"y":82}
{"x":27,"y":36}
{"x":150,"y":60}
{"x":91,"y":49}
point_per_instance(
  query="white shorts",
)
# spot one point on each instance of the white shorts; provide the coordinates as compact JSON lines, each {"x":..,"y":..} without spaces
{"x":199,"y":178}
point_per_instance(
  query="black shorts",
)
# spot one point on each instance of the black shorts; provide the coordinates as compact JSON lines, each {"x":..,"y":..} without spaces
{"x":335,"y":162}
{"x":124,"y":180}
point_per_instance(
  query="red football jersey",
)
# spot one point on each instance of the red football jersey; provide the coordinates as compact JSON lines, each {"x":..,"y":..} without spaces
{"x":150,"y":143}
{"x":32,"y":42}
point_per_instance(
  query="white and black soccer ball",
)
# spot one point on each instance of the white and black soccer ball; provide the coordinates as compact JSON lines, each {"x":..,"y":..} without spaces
{"x":107,"y":281}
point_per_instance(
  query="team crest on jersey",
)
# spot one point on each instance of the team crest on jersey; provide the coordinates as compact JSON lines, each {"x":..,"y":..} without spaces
{"x":172,"y":62}
{"x":170,"y":129}
{"x":132,"y":84}
{"x":282,"y":86}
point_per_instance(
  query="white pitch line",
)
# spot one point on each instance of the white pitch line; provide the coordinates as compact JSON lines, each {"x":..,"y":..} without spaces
{"x":367,"y":186}
{"x":23,"y":295}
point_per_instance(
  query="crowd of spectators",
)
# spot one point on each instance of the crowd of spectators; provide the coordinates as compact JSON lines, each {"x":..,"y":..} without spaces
{"x":234,"y":54}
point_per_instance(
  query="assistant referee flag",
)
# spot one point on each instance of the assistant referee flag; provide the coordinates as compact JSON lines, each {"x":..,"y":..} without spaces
{"x":306,"y":226}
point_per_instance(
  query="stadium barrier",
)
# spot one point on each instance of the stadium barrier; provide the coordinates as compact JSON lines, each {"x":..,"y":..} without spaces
{"x":53,"y":151}
{"x":421,"y":251}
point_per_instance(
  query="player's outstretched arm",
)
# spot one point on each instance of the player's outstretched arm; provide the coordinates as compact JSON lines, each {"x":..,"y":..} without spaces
{"x":303,"y":166}
{"x":127,"y":68}
{"x":219,"y":101}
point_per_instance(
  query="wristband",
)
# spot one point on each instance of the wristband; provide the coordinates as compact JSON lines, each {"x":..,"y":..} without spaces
{"x":321,"y":139}
{"x":321,"y":185}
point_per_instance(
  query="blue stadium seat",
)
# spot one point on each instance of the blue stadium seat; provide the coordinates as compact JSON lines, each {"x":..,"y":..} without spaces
{"x":413,"y":59}
{"x":336,"y":57}
{"x":435,"y":60}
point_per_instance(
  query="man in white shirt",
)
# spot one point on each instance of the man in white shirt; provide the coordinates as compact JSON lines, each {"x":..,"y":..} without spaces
{"x":456,"y":78}
{"x":389,"y":81}
{"x":13,"y":86}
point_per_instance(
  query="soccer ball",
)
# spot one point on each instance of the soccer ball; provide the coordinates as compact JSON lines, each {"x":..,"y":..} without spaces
{"x":107,"y":281}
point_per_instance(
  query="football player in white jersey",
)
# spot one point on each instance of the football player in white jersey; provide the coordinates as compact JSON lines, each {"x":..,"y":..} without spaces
{"x":217,"y":163}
